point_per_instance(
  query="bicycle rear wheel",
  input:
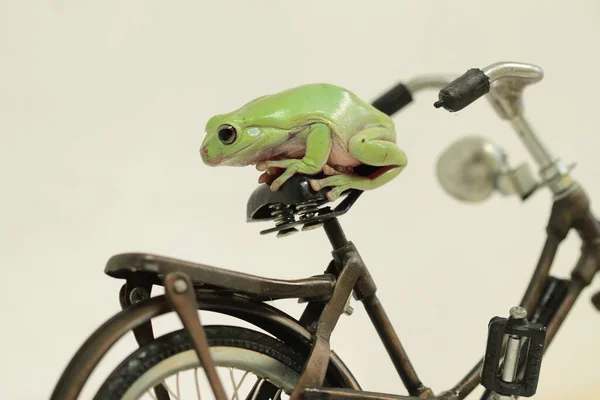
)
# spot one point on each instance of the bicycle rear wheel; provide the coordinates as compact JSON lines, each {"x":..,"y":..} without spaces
{"x":275,"y":365}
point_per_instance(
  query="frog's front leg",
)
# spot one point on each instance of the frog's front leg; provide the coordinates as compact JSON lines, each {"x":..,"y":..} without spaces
{"x":318,"y":146}
{"x":371,"y":147}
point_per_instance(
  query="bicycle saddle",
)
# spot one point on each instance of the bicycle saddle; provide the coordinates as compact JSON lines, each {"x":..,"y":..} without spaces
{"x":295,"y":203}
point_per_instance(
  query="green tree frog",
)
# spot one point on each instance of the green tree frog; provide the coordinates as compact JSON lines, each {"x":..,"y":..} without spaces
{"x":307,"y":129}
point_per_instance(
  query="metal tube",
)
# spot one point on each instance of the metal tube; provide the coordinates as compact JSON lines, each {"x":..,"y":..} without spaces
{"x":424,"y":82}
{"x":394,"y":347}
{"x":349,"y":394}
{"x":466,"y":385}
{"x":501,"y":70}
{"x":540,"y":274}
{"x":561,"y":314}
{"x":335,"y":233}
{"x":511,"y":358}
{"x":538,"y":150}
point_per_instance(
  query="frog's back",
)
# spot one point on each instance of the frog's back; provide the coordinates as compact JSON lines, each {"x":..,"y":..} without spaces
{"x":341,"y":109}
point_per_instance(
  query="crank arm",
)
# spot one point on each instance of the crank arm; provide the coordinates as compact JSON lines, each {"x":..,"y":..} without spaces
{"x":179,"y":292}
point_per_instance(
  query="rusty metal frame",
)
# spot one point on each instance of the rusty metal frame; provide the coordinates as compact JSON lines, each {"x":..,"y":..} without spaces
{"x":242,"y":296}
{"x":138,"y":315}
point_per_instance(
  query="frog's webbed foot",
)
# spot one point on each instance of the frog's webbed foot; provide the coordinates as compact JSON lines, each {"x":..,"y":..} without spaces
{"x":340,"y":184}
{"x":289,"y":167}
{"x":343,"y":182}
{"x":338,"y":181}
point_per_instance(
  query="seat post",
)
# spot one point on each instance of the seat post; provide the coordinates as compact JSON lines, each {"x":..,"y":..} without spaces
{"x":335,"y":233}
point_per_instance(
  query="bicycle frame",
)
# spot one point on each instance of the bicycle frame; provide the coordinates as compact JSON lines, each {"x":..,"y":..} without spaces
{"x":547,"y":300}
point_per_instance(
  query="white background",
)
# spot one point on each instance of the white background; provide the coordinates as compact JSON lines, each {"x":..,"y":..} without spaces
{"x":102,"y":110}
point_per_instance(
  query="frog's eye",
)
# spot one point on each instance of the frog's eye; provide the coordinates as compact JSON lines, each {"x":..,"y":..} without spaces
{"x":227,"y":134}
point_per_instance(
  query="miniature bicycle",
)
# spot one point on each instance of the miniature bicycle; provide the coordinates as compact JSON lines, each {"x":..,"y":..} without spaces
{"x":296,"y":359}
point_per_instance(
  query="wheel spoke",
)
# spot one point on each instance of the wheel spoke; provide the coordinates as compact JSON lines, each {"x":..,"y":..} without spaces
{"x":257,"y":389}
{"x":177,"y":385}
{"x":170,"y":391}
{"x":151,"y":394}
{"x":235,"y":389}
{"x":262,"y":390}
{"x":239,"y":385}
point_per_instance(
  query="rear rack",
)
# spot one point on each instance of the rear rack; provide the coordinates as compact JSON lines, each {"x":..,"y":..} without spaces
{"x":156,"y":268}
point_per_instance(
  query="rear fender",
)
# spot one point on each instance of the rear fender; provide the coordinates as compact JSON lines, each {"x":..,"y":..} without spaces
{"x":259,"y":314}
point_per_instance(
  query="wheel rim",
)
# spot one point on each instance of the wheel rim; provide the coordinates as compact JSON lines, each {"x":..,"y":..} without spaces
{"x":236,"y":360}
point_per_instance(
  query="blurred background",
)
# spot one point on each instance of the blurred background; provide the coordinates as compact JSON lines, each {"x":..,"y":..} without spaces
{"x":102,"y":112}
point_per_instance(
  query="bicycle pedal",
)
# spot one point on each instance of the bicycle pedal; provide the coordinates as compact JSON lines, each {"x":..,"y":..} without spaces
{"x":521,"y":335}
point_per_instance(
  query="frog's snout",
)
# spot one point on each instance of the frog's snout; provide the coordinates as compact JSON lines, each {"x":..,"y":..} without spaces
{"x":207,"y":158}
{"x":204,"y":154}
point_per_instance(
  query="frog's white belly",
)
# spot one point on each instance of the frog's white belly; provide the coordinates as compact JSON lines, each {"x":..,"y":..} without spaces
{"x":296,"y":148}
{"x":340,"y":157}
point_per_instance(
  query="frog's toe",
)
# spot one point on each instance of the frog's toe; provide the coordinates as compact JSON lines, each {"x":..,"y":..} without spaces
{"x":276,"y":184}
{"x":337,"y":191}
{"x":315,"y":185}
{"x":333,"y":195}
{"x":283,"y":178}
{"x":329,"y":171}
{"x":335,"y":180}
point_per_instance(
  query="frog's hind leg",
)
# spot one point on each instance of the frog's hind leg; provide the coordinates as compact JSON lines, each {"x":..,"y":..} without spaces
{"x":369,"y":148}
{"x":343,"y":182}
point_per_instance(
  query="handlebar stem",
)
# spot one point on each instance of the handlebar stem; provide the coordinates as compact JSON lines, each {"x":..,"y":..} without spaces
{"x":507,"y":83}
{"x":553,"y":171}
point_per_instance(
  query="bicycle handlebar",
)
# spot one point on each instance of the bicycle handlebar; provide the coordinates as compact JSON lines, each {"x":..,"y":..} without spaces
{"x":402,"y":94}
{"x":504,"y":83}
{"x":463,"y":91}
{"x":476,"y":83}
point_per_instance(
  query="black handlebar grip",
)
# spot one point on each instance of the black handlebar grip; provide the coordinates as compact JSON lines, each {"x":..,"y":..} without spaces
{"x":394,"y":99}
{"x":463,"y":91}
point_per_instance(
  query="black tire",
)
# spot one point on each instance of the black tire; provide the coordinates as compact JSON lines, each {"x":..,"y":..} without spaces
{"x":171,"y":344}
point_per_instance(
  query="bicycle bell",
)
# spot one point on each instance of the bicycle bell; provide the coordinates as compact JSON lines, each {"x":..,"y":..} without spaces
{"x":472,"y":168}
